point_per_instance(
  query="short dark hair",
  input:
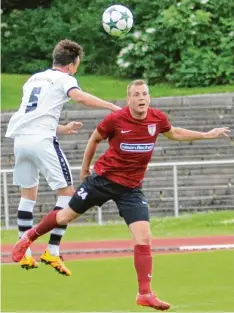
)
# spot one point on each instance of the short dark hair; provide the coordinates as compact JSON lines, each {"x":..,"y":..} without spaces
{"x":66,"y":52}
{"x":137,"y":82}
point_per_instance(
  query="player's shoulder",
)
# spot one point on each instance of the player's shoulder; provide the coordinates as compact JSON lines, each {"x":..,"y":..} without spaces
{"x":61,"y":75}
{"x":119,"y":113}
{"x":56,"y":74}
{"x":32,"y":78}
{"x":38,"y":75}
{"x":62,"y":78}
{"x":157,"y":113}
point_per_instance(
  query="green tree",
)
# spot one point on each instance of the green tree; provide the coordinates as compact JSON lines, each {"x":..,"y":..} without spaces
{"x":30,"y":35}
{"x":9,"y":5}
{"x":189,"y":43}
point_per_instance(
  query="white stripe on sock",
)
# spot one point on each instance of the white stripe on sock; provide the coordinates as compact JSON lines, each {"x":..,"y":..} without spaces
{"x":24,"y":222}
{"x":58,"y":231}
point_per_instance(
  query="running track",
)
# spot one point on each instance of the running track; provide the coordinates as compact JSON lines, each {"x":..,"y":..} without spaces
{"x":120,"y":248}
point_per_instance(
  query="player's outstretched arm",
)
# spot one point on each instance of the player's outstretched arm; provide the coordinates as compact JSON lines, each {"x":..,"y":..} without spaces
{"x":90,"y":100}
{"x":90,"y":150}
{"x":182,"y":134}
{"x":69,"y":129}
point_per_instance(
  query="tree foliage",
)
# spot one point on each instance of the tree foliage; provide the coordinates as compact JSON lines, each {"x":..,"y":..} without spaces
{"x":9,"y":5}
{"x":189,"y":43}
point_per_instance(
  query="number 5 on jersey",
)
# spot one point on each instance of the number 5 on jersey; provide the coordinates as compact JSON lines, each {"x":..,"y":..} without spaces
{"x":33,"y":99}
{"x":82,"y":193}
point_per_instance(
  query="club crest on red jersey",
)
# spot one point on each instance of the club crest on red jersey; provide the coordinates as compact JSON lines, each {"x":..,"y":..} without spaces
{"x":152,"y":129}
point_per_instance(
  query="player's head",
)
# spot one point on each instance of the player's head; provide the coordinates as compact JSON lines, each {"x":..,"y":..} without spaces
{"x":67,"y":54}
{"x":138,"y":97}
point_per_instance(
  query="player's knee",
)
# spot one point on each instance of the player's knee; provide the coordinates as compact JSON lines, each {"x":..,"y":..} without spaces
{"x":141,"y":232}
{"x":65,"y":216}
{"x":143,"y":237}
{"x":67,"y":191}
{"x":29,"y":193}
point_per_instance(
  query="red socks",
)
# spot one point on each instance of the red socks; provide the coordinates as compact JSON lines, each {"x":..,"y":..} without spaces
{"x":47,"y":223}
{"x":143,"y":266}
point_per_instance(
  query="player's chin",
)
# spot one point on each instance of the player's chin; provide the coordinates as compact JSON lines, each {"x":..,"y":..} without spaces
{"x":142,"y":108}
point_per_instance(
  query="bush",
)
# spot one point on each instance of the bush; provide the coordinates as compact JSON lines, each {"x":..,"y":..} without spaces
{"x":29,"y":37}
{"x":202,"y":67}
{"x":189,"y":43}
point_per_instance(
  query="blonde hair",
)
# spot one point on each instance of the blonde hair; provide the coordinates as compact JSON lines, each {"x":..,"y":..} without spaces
{"x":137,"y":82}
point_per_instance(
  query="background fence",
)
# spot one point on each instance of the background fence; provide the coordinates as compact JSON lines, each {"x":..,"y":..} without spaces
{"x":173,"y":165}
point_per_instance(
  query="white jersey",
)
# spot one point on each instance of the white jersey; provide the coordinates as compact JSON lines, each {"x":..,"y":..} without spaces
{"x":43,"y":97}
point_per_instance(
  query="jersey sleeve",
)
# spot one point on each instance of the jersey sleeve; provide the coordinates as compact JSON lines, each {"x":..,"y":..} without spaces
{"x":165,"y":125}
{"x":106,"y":126}
{"x":69,"y":83}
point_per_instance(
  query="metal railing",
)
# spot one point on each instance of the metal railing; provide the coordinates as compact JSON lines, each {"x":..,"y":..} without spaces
{"x":174,"y":166}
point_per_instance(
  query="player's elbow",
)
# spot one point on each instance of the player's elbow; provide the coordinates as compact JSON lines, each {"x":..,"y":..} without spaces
{"x":96,"y":137}
{"x":79,"y":96}
{"x":173,"y":134}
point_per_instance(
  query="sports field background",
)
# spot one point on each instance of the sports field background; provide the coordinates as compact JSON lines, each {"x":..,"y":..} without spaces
{"x":106,"y":87}
{"x":191,"y":282}
{"x":200,"y":224}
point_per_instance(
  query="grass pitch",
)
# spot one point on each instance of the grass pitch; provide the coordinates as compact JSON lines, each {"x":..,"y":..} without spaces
{"x":194,"y":282}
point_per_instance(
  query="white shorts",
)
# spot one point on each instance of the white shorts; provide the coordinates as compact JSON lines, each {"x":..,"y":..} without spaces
{"x":35,"y":155}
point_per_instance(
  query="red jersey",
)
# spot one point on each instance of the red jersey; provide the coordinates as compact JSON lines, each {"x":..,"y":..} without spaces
{"x":131,"y":144}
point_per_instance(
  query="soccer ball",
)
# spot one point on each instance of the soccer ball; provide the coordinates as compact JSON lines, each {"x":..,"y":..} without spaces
{"x":117,"y":20}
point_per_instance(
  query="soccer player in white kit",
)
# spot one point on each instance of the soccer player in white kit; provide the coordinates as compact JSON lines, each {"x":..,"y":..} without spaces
{"x":34,"y":128}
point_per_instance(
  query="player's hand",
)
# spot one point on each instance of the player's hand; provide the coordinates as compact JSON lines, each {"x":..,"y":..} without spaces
{"x":84,"y":173}
{"x":72,"y":128}
{"x":218,"y":132}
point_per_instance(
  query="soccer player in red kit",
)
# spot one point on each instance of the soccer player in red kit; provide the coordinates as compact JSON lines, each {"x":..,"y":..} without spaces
{"x":118,"y":175}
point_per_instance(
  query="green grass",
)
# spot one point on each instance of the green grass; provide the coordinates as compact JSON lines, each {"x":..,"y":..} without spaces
{"x":201,"y":224}
{"x":102,"y":86}
{"x":196,"y":282}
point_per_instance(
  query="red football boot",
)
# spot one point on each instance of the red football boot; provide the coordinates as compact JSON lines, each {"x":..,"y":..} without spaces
{"x":151,"y":300}
{"x":21,"y":247}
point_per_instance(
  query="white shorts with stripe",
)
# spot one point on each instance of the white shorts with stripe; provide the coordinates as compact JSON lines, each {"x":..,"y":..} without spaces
{"x":35,"y":155}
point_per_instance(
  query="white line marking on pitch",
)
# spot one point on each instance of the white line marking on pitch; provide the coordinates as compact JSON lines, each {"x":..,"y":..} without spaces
{"x":207,"y":247}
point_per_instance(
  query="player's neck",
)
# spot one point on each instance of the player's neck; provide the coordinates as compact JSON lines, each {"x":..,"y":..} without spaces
{"x":138,"y":116}
{"x":63,"y":69}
